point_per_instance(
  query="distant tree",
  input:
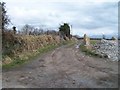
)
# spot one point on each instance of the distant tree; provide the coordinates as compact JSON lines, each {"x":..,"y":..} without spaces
{"x":41,"y":31}
{"x":51,"y":32}
{"x":37,"y":31}
{"x":65,"y":29}
{"x":27,"y":29}
{"x":5,"y":18}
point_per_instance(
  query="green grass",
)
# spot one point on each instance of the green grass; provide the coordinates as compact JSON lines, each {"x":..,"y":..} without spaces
{"x":93,"y":42}
{"x":89,"y":51}
{"x":17,"y":61}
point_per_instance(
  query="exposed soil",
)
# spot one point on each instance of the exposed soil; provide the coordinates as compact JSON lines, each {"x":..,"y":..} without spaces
{"x":65,"y":67}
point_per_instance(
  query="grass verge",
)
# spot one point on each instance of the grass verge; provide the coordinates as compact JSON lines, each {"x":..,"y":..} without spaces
{"x":89,"y":51}
{"x":93,"y":42}
{"x":28,"y":56}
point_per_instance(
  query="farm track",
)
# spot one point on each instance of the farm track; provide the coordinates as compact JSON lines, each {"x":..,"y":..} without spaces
{"x":65,"y":67}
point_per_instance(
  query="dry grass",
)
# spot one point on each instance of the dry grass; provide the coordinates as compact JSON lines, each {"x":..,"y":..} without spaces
{"x":19,"y":48}
{"x":14,"y":45}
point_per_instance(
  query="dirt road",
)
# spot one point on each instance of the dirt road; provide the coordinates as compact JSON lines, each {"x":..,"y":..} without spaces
{"x":65,"y":67}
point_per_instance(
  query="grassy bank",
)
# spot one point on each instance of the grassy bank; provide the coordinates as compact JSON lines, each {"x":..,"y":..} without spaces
{"x":87,"y":51}
{"x":93,"y":42}
{"x":28,"y":56}
{"x":90,"y":52}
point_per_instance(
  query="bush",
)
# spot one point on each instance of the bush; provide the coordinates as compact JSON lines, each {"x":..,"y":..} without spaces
{"x":113,"y":38}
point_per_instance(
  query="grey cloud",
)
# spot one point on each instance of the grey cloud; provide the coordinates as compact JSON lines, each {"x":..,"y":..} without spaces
{"x":102,"y":16}
{"x":52,"y":14}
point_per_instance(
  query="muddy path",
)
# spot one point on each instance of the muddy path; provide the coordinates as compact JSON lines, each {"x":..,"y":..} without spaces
{"x":64,"y":67}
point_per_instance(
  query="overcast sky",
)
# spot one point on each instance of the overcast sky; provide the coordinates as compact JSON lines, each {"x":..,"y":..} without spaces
{"x":94,"y":17}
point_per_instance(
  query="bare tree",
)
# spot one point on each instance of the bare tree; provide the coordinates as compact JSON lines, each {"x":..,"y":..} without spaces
{"x":27,"y":29}
{"x":5,"y":18}
{"x":51,"y":32}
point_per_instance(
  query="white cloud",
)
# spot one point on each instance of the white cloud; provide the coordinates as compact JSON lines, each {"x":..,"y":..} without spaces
{"x":98,"y":31}
{"x":92,"y":17}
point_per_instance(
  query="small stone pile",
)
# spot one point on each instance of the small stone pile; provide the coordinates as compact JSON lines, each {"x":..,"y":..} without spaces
{"x":107,"y":48}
